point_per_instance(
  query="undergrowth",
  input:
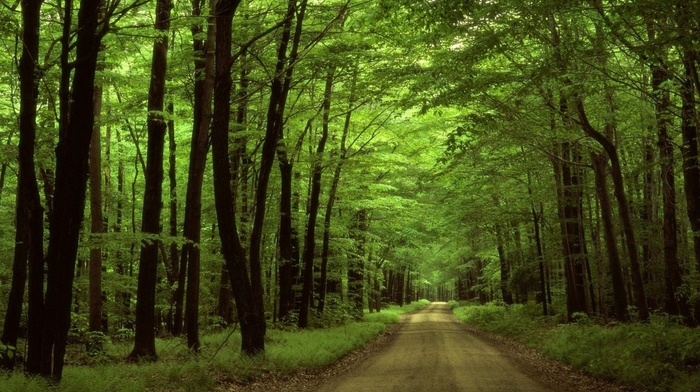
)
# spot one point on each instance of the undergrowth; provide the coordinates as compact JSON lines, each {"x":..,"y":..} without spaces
{"x":659,"y":356}
{"x":219,"y":361}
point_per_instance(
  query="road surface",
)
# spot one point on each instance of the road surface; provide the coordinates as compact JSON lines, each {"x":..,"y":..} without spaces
{"x":434,"y":353}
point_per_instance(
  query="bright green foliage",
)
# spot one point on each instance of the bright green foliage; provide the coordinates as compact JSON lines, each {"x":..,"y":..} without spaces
{"x":660,"y":356}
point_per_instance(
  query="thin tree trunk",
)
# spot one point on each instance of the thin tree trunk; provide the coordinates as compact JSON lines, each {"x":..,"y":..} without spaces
{"x":144,"y":339}
{"x":538,"y":245}
{"x":624,"y":209}
{"x":505,"y":267}
{"x":356,"y":267}
{"x":325,"y":247}
{"x":96,"y":219}
{"x":310,"y":239}
{"x":618,"y":282}
{"x":275,"y":118}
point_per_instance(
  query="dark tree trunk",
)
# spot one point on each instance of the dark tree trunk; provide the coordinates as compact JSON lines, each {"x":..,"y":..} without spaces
{"x":672,"y":274}
{"x":505,"y":267}
{"x":310,"y":238}
{"x":569,"y":196}
{"x":248,"y":306}
{"x":538,"y":245}
{"x":286,"y":292}
{"x":172,"y":259}
{"x":624,"y":209}
{"x":69,"y":198}
{"x":691,"y":168}
{"x":29,"y":212}
{"x":144,"y":339}
{"x":281,"y":83}
{"x":356,"y":265}
{"x":400,"y":279}
{"x":96,"y":219}
{"x":224,"y":306}
{"x":323,"y":286}
{"x":618,"y":281}
{"x":569,"y":201}
{"x":199,"y":148}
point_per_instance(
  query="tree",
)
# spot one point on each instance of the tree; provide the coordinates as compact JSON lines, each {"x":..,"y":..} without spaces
{"x":250,"y":314}
{"x":71,"y":181}
{"x":144,"y":338}
{"x":310,"y":238}
{"x":29,"y":212}
{"x":203,"y":90}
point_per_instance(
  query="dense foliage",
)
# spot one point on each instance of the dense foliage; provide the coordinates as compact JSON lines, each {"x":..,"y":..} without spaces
{"x":271,"y":164}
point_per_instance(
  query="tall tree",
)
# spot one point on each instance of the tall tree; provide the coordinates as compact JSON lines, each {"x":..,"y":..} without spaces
{"x":325,"y":246}
{"x":29,"y":212}
{"x":144,"y":338}
{"x":203,"y":92}
{"x":249,"y":309}
{"x":310,"y":238}
{"x":71,"y":182}
{"x":96,"y":218}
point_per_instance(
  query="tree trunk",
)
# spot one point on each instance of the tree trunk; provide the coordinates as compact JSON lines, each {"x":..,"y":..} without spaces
{"x":144,"y":339}
{"x":356,"y":265}
{"x":691,"y":162}
{"x":286,"y":292}
{"x":310,"y":238}
{"x":624,"y":209}
{"x":569,"y":201}
{"x":29,"y":212}
{"x":672,"y":274}
{"x":538,"y":245}
{"x":250,"y":313}
{"x":96,"y":222}
{"x":505,"y":267}
{"x":323,"y":287}
{"x":199,"y":148}
{"x":618,"y":281}
{"x":69,"y":198}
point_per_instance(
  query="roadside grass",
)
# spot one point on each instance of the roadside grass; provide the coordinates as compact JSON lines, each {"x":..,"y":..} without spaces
{"x":659,"y":356}
{"x":219,"y":361}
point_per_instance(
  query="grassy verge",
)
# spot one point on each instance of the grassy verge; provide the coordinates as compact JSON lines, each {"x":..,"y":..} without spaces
{"x":660,"y":356}
{"x":220,"y":359}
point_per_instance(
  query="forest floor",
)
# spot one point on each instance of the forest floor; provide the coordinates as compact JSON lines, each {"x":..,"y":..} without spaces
{"x":432,"y":350}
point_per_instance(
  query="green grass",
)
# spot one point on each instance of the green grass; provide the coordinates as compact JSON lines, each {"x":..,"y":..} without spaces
{"x":660,"y":356}
{"x":220,"y":359}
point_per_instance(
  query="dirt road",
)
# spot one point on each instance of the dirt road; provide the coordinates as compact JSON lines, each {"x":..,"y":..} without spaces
{"x":434,"y":353}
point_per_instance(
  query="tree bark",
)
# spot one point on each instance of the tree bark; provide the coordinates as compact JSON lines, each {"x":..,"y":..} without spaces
{"x":624,"y":209}
{"x":538,"y":246}
{"x":672,"y":275}
{"x":618,"y":282}
{"x":144,"y":339}
{"x":249,"y":308}
{"x":691,"y":162}
{"x":281,"y":83}
{"x":505,"y":267}
{"x":310,"y":238}
{"x":199,"y":148}
{"x":356,"y":267}
{"x":29,"y":212}
{"x":325,"y":247}
{"x":69,"y":198}
{"x":96,"y":219}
